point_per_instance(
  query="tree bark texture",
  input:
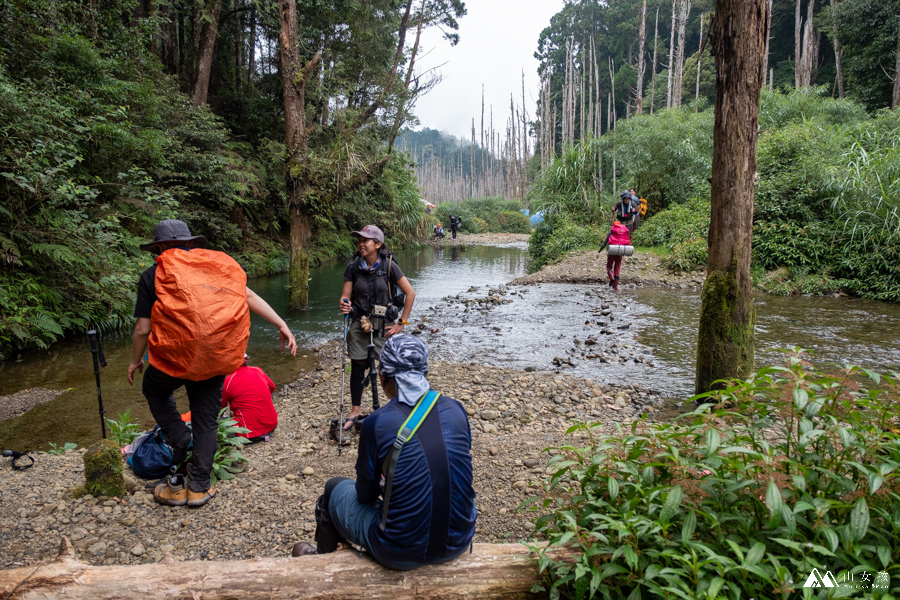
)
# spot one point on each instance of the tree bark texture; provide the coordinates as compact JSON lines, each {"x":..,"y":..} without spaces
{"x":671,"y":57}
{"x":653,"y":72}
{"x":839,"y":59}
{"x":725,"y":337}
{"x":642,"y":34}
{"x":294,"y":77}
{"x":809,"y":55}
{"x":798,"y":40}
{"x":206,"y":25}
{"x":896,"y":100}
{"x":684,"y":12}
{"x":490,"y":571}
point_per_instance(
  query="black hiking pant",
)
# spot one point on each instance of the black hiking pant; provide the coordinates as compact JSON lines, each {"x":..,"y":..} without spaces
{"x":205,"y":399}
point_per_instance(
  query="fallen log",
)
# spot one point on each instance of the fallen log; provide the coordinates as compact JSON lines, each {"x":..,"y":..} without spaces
{"x":490,"y":571}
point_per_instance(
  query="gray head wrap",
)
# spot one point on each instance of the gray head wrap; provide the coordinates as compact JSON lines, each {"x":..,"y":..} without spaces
{"x":405,"y":358}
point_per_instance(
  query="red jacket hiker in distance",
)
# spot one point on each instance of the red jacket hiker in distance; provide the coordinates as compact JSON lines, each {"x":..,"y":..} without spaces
{"x":249,"y":392}
{"x":618,"y":236}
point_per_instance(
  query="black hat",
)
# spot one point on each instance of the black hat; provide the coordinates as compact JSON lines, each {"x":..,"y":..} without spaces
{"x":625,"y":195}
{"x":173,"y":230}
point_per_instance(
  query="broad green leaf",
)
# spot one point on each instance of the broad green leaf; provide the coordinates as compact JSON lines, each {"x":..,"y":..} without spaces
{"x":810,"y":436}
{"x":773,"y":497}
{"x":631,"y":558}
{"x":713,"y":441}
{"x":875,"y":482}
{"x":884,"y":555}
{"x":673,"y":498}
{"x":612,"y":485}
{"x":652,"y":571}
{"x":713,"y":591}
{"x":755,"y":554}
{"x":859,"y":520}
{"x":801,"y":397}
{"x":690,"y":524}
{"x":831,"y":536}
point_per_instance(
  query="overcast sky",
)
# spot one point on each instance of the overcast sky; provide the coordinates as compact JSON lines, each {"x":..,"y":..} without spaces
{"x":497,"y":41}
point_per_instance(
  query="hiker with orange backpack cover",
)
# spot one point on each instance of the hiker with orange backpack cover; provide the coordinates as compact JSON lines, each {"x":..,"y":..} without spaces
{"x":193,"y":320}
{"x":618,"y":236}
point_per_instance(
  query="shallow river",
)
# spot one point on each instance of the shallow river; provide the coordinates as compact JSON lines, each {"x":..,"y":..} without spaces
{"x":539,"y":325}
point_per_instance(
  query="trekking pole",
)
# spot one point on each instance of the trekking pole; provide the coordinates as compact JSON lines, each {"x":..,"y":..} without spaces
{"x":343,"y":376}
{"x":372,"y":375}
{"x":99,"y":361}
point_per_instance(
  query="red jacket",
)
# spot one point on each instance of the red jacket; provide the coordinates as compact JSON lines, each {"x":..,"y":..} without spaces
{"x":249,"y":392}
{"x":618,"y":235}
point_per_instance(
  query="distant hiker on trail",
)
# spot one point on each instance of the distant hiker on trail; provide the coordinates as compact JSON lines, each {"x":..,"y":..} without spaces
{"x":625,"y":210}
{"x":248,"y":394}
{"x":415,"y":454}
{"x":455,"y":222}
{"x":370,"y":287}
{"x":637,"y":209}
{"x":618,"y":236}
{"x":192,"y":314}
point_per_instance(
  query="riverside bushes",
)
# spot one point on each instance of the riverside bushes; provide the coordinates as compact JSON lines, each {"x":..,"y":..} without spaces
{"x":787,"y":471}
{"x":485,"y":215}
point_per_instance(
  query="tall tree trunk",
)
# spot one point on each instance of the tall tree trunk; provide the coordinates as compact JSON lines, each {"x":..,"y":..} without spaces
{"x":798,"y":40}
{"x":238,"y":47}
{"x":671,"y":57}
{"x":725,"y":337}
{"x":895,"y":103}
{"x":653,"y":73}
{"x":293,"y":79}
{"x":169,"y":34}
{"x":699,"y":59}
{"x":810,"y":50}
{"x":838,"y":56}
{"x":768,"y":38}
{"x":205,"y":27}
{"x":678,"y":77}
{"x":251,"y":58}
{"x":642,"y":34}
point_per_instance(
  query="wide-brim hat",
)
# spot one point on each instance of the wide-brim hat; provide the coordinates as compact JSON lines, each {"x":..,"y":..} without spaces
{"x":173,"y":230}
{"x":369,"y":231}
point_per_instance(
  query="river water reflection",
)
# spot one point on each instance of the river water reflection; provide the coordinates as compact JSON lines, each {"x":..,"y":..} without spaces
{"x":540,"y":324}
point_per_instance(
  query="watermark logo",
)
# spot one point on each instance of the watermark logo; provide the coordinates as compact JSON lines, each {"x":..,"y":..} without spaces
{"x":815,"y":580}
{"x":861,"y":581}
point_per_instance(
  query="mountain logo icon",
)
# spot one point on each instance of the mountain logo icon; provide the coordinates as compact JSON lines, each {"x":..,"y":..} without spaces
{"x":815,"y":580}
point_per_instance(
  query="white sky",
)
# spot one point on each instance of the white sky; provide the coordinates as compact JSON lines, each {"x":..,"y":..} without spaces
{"x":497,"y":40}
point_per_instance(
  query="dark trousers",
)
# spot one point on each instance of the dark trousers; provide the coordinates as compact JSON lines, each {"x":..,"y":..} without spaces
{"x":205,"y":401}
{"x":613,"y":265}
{"x":453,"y":229}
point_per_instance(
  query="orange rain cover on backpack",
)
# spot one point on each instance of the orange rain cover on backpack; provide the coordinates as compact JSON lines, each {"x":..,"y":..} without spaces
{"x":643,"y":209}
{"x":200,"y":323}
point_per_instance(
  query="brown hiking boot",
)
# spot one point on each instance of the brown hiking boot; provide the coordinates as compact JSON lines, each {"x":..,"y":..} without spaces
{"x":303,"y":549}
{"x":171,"y":492}
{"x":195,"y":499}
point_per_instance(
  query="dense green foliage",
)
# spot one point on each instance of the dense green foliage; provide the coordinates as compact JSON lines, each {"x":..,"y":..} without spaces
{"x":485,"y":215}
{"x":827,"y":211}
{"x":787,"y":471}
{"x":98,"y":142}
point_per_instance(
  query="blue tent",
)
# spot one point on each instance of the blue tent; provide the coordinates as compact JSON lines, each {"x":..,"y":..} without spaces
{"x":536,"y":218}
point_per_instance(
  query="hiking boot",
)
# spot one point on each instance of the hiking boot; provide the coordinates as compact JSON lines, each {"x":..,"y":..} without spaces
{"x":172,"y":492}
{"x":195,"y":499}
{"x":303,"y":549}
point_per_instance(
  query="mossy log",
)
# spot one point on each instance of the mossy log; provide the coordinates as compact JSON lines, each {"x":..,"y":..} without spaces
{"x":490,"y":571}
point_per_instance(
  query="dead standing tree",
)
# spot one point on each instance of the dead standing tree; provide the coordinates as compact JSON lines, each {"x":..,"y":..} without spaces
{"x":725,"y":337}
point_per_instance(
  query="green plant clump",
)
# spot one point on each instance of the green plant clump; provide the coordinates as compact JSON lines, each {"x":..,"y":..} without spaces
{"x":494,"y":215}
{"x":54,"y":449}
{"x":787,"y":471}
{"x":124,"y":430}
{"x":229,"y":459}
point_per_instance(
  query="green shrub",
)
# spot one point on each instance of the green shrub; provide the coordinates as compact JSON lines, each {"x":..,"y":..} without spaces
{"x":550,"y":244}
{"x":786,"y":471}
{"x":688,"y":255}
{"x":675,"y":225}
{"x":124,"y":430}
{"x":475,"y":225}
{"x":513,"y":222}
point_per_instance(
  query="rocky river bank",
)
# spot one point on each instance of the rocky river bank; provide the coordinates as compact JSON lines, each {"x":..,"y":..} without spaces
{"x":515,"y":414}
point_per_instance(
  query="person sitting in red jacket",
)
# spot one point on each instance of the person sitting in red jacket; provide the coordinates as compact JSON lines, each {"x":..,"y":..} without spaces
{"x":618,"y":236}
{"x":248,"y":391}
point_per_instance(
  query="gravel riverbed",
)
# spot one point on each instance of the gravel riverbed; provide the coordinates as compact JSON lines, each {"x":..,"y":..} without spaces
{"x":514,"y":416}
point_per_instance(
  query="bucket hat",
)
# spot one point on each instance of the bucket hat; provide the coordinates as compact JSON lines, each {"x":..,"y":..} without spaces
{"x":369,"y":231}
{"x":173,"y":230}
